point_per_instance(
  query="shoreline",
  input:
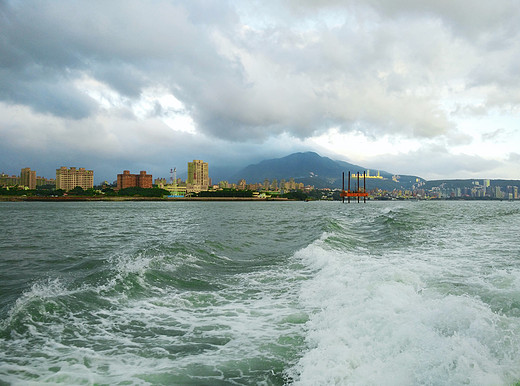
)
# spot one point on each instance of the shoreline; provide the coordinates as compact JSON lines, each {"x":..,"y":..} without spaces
{"x":120,"y":199}
{"x":217,"y":199}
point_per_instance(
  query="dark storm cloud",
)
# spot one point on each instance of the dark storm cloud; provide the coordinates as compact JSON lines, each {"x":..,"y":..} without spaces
{"x":48,"y":93}
{"x":236,"y":82}
{"x":127,"y":45}
{"x":248,"y":72}
{"x":26,"y":140}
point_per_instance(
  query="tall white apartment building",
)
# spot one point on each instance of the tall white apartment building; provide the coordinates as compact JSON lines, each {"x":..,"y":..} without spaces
{"x":68,"y":179}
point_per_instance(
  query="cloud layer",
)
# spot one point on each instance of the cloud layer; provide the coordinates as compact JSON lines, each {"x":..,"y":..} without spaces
{"x":135,"y":78}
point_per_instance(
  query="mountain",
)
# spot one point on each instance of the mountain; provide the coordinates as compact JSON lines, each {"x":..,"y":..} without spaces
{"x":298,"y":166}
{"x":312,"y":169}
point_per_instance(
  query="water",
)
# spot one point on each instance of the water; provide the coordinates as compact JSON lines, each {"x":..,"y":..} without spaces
{"x":223,"y":293}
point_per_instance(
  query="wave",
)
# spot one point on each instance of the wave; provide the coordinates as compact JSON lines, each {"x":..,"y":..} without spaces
{"x":391,"y":308}
{"x":158,"y":314}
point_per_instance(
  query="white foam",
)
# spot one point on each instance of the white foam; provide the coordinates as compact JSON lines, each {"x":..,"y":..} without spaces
{"x":136,"y":338}
{"x":377,"y":321}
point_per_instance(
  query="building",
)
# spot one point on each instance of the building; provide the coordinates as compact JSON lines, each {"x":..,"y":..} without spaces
{"x":498,"y":192}
{"x":127,"y":180}
{"x":198,"y":176}
{"x":42,"y":181}
{"x":28,"y":178}
{"x":160,"y":181}
{"x":176,"y":190}
{"x":68,"y":179}
{"x":7,"y":180}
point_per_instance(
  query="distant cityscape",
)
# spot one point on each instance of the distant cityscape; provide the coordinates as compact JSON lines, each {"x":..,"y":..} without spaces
{"x":70,"y":179}
{"x":198,"y":180}
{"x":453,"y":189}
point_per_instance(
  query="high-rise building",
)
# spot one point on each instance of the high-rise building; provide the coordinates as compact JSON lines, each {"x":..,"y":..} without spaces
{"x":28,"y":178}
{"x":68,"y":179}
{"x":198,"y":176}
{"x":127,"y":180}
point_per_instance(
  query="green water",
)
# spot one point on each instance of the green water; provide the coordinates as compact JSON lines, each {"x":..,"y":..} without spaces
{"x":260,"y":293}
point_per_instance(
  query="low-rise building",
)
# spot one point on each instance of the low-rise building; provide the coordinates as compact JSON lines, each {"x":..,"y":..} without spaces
{"x":7,"y":180}
{"x":127,"y":180}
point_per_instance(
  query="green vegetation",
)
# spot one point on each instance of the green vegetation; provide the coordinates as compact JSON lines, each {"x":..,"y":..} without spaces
{"x":143,"y":192}
{"x":38,"y":192}
{"x":80,"y":192}
{"x":312,"y":195}
{"x":226,"y":193}
{"x":296,"y":195}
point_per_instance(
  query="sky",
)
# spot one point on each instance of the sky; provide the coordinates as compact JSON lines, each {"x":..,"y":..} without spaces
{"x":420,"y":87}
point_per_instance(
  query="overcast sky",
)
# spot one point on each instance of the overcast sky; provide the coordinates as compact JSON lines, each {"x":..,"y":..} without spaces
{"x":421,"y":87}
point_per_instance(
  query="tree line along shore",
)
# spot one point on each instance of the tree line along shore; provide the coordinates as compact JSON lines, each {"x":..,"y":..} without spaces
{"x":145,"y":194}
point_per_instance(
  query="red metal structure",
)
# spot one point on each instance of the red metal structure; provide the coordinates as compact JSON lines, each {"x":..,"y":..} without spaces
{"x":354,"y":193}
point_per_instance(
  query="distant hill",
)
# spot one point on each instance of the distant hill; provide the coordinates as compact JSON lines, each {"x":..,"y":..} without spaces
{"x":297,"y":166}
{"x":313,"y":169}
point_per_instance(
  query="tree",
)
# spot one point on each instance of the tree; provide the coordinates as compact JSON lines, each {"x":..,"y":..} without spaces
{"x":77,"y":191}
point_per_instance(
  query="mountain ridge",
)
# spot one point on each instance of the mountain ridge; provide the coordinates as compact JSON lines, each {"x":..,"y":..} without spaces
{"x":314,"y":169}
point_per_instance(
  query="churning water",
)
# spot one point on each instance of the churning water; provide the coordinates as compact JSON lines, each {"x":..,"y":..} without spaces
{"x":218,"y":293}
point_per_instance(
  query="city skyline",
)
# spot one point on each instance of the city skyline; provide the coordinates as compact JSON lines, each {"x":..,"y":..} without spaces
{"x":419,"y":88}
{"x":22,"y":175}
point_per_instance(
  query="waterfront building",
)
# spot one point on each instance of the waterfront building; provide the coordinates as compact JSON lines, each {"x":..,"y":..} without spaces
{"x":498,"y":192}
{"x":160,"y":181}
{"x":40,"y":181}
{"x":7,"y":180}
{"x":68,"y":179}
{"x":127,"y":180}
{"x":177,"y":188}
{"x":28,"y":178}
{"x":254,"y":187}
{"x":198,"y":176}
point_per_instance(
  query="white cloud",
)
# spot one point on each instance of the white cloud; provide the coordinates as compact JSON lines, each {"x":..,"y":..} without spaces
{"x":368,"y":79}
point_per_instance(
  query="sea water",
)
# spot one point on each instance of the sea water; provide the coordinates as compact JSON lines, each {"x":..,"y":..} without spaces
{"x":273,"y":293}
